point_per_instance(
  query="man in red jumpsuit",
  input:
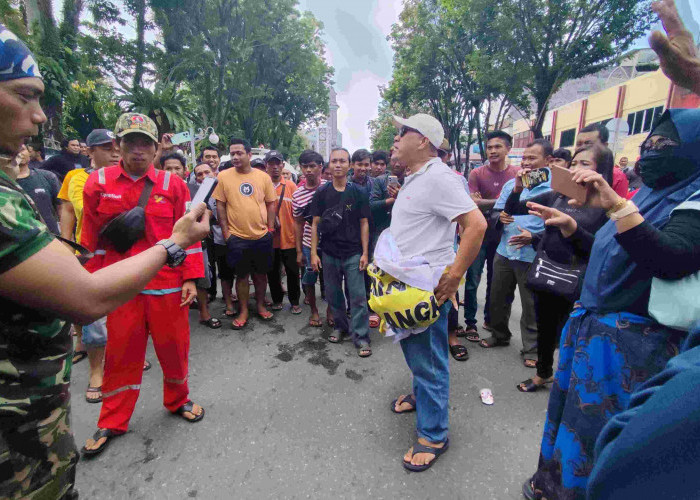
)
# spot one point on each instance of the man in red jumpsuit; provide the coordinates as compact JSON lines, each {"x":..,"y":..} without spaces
{"x":162,"y":308}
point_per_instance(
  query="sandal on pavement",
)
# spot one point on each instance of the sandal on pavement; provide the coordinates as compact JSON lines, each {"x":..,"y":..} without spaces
{"x":364,"y":351}
{"x":212,"y":323}
{"x":266,"y":317}
{"x":230,"y":314}
{"x":78,"y":356}
{"x":410,"y":399}
{"x":101,"y":433}
{"x":493,"y":342}
{"x":316,"y":323}
{"x":460,"y":331}
{"x":459,"y":352}
{"x":188,"y":407}
{"x":471,"y":333}
{"x":530,"y":363}
{"x":420,"y":448}
{"x":529,"y":490}
{"x":330,"y":322}
{"x":529,"y":385}
{"x":93,"y":390}
{"x":236,"y":324}
{"x":336,"y":337}
{"x":373,"y":320}
{"x":146,"y":366}
{"x":296,"y":310}
{"x":276,"y":307}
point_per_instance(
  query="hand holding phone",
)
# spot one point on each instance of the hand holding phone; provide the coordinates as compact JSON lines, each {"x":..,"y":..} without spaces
{"x":534,"y":178}
{"x":562,"y":182}
{"x":206,"y":188}
{"x":181,"y":138}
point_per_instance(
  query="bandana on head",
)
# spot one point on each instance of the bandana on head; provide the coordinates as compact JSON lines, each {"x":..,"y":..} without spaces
{"x":16,"y":61}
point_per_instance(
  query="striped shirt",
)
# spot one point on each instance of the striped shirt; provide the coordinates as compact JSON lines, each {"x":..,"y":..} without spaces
{"x":300,"y":199}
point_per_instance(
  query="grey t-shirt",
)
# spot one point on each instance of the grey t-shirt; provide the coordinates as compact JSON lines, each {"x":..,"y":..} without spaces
{"x":428,"y":202}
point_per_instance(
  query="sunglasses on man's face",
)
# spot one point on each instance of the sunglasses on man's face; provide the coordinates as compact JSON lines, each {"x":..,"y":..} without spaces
{"x":406,"y":130}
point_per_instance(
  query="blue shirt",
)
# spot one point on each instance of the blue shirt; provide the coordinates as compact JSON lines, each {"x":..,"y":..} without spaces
{"x":530,"y":223}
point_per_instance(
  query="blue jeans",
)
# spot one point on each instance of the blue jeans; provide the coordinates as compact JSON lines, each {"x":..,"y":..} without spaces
{"x":427,"y":356}
{"x":486,"y":255}
{"x":334,"y":270}
{"x":310,"y":276}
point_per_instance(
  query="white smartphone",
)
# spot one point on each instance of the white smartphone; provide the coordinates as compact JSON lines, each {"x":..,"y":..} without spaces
{"x":393,"y":181}
{"x":181,"y":138}
{"x":204,"y":192}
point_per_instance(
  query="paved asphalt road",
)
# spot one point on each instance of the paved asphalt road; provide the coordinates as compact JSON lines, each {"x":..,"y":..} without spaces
{"x":289,"y":415}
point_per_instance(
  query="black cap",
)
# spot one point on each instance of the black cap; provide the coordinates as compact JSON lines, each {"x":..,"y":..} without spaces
{"x":99,"y":136}
{"x":274,"y":155}
{"x":257,"y":162}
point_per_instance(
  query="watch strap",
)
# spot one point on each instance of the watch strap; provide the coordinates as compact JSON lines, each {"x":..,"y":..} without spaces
{"x":629,"y":209}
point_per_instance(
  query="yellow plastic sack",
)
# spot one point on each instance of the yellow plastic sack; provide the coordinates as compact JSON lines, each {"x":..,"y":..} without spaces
{"x":399,"y":305}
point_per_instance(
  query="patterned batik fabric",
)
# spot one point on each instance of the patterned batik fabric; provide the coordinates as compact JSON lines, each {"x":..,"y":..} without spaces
{"x":602,"y":359}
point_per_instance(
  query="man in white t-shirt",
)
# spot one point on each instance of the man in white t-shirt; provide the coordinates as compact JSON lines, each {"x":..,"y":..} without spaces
{"x":423,"y":224}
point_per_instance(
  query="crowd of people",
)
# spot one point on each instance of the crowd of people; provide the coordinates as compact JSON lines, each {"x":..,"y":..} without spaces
{"x":608,"y":278}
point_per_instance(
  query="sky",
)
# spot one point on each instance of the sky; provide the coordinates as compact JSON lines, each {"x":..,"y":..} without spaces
{"x":356,"y":46}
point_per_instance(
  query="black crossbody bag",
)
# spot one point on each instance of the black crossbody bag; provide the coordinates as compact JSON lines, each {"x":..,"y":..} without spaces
{"x":332,"y":218}
{"x":548,"y":275}
{"x":130,"y":226}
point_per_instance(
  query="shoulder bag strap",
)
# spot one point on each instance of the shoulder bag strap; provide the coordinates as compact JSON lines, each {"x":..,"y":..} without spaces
{"x":145,"y":193}
{"x":279,"y":204}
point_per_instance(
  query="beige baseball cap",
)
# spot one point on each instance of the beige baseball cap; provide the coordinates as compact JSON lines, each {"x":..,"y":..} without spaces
{"x":136,"y":123}
{"x":426,"y":125}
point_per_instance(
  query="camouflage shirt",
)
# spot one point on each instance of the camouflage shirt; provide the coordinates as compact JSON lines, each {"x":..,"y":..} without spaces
{"x":35,"y":347}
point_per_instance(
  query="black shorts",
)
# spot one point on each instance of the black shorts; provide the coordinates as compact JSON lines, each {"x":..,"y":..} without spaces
{"x":225,"y":271}
{"x":250,"y":256}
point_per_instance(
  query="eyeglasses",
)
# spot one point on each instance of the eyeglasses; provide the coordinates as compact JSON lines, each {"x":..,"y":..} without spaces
{"x":405,"y":130}
{"x":659,"y":145}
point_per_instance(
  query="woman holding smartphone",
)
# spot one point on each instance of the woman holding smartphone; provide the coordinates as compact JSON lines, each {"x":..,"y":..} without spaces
{"x":567,"y":239}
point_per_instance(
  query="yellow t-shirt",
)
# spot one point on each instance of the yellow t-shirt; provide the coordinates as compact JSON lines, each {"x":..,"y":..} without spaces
{"x":72,"y":191}
{"x":245,"y":196}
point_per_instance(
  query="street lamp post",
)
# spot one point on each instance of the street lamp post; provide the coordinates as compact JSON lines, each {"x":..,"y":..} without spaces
{"x":201,"y":133}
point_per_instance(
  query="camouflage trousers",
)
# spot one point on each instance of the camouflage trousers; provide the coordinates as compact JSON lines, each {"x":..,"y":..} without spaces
{"x":38,"y":459}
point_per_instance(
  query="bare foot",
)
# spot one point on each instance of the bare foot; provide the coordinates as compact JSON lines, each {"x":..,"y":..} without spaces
{"x":422,"y":458}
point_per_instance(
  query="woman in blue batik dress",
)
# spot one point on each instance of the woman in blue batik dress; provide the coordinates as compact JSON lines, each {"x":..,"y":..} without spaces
{"x":610,"y":345}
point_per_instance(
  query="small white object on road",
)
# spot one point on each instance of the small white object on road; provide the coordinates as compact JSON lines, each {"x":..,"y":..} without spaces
{"x":486,"y":396}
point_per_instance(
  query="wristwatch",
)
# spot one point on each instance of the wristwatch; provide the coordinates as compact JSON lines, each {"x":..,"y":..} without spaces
{"x":628,"y":208}
{"x":176,"y":255}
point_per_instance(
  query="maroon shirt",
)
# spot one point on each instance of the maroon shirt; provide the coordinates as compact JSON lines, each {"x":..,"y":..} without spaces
{"x":488,"y":182}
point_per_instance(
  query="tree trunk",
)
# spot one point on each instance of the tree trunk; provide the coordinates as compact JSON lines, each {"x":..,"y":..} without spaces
{"x":139,"y":69}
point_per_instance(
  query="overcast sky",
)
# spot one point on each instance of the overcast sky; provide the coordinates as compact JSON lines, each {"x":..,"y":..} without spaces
{"x":355,"y":35}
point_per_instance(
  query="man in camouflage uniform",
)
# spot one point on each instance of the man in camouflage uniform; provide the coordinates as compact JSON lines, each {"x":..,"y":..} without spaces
{"x":37,"y":451}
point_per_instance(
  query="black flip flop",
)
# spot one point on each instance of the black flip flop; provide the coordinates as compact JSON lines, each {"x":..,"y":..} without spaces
{"x":146,"y":366}
{"x":531,"y":386}
{"x":366,"y":348}
{"x":339,"y":336}
{"x":230,"y":315}
{"x":471,"y":333}
{"x":212,"y":323}
{"x":101,"y":433}
{"x":189,"y":406}
{"x":78,"y":356}
{"x":456,"y":350}
{"x":419,"y":448}
{"x":410,"y":399}
{"x":93,"y":390}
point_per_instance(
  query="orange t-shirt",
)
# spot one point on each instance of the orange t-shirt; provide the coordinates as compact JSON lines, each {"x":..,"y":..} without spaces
{"x":245,"y":196}
{"x":285,"y":237}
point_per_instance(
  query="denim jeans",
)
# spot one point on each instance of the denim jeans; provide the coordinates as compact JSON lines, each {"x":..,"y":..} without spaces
{"x":310,"y":276}
{"x":427,"y":356}
{"x":334,"y":270}
{"x":486,"y":255}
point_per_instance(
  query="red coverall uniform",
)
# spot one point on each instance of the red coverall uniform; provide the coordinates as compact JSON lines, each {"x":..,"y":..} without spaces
{"x":109,"y":192}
